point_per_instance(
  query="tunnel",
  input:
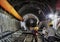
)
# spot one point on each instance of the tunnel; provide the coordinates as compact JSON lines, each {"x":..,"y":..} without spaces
{"x":34,"y":13}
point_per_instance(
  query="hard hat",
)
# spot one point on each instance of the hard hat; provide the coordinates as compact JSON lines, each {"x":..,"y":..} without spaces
{"x":50,"y":23}
{"x":36,"y":28}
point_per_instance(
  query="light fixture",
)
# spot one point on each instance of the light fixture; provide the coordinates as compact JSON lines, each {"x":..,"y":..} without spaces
{"x":51,"y":16}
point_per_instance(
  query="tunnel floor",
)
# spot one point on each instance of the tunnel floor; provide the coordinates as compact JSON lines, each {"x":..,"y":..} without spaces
{"x":28,"y":38}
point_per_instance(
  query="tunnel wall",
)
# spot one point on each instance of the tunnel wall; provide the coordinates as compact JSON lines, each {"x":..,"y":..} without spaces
{"x":7,"y":22}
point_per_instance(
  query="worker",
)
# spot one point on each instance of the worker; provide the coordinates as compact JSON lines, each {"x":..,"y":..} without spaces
{"x":35,"y":34}
{"x":23,"y":25}
{"x":44,"y":34}
{"x":51,"y":33}
{"x":8,"y":7}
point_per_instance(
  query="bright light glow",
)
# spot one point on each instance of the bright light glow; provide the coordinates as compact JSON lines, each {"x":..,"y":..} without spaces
{"x":51,"y":16}
{"x":56,"y":14}
{"x":54,"y":18}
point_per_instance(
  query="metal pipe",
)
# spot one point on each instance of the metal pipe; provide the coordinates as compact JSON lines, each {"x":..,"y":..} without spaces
{"x":6,"y":5}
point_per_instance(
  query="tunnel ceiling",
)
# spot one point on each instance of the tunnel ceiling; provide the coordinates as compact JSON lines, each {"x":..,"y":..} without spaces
{"x":18,"y":4}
